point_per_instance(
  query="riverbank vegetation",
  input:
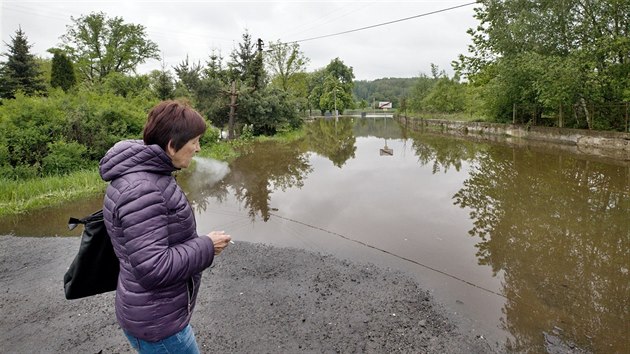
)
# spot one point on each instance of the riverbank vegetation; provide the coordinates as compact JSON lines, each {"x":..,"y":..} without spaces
{"x":59,"y":116}
{"x":565,"y":64}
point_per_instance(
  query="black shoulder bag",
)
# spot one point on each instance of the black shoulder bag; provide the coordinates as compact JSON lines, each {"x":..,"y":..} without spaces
{"x":95,"y":268}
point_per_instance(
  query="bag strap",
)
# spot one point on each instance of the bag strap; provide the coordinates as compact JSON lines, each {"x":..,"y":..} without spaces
{"x":74,"y":222}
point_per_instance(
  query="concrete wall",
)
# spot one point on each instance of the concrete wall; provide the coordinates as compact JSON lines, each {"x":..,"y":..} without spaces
{"x":611,"y":144}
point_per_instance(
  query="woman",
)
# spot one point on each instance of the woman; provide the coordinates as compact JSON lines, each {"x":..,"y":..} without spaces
{"x":153,"y":230}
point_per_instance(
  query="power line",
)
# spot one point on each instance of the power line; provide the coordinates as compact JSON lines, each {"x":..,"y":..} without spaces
{"x":391,"y":254}
{"x":382,"y":24}
{"x":333,"y":15}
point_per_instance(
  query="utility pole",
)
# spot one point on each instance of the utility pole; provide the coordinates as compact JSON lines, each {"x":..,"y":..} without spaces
{"x":335,"y":95}
{"x":233,"y":95}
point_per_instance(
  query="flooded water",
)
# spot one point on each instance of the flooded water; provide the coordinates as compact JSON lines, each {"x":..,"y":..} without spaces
{"x":527,"y":246}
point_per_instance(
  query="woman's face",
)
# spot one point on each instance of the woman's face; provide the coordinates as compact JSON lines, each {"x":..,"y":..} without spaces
{"x":183,"y":157}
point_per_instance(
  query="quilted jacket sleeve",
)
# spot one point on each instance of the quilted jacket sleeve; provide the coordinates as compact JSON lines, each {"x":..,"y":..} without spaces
{"x":144,"y":219}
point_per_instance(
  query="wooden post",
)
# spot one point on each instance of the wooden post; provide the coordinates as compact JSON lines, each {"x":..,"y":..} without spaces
{"x":627,"y":128}
{"x":514,"y":113}
{"x":233,"y":96}
{"x":561,"y":118}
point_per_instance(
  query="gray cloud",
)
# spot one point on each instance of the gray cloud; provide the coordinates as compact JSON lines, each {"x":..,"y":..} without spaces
{"x":194,"y":28}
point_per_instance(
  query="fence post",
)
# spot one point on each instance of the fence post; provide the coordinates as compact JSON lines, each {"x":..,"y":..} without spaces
{"x":561,"y":118}
{"x":514,"y":113}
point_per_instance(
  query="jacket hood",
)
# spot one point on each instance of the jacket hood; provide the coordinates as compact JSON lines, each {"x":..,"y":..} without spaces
{"x":129,"y":156}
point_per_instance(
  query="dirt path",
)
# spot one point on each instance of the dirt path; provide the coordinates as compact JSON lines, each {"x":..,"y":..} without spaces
{"x":255,"y":298}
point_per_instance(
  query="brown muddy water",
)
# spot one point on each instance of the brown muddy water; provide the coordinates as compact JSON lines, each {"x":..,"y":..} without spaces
{"x":525,"y":246}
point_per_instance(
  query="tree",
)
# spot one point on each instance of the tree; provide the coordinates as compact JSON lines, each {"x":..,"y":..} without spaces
{"x":549,"y":53}
{"x":20,"y":71}
{"x":189,"y":75}
{"x":335,"y":96}
{"x":62,"y":74}
{"x":333,"y":81}
{"x":316,"y":88}
{"x":268,"y":111}
{"x":205,"y":87}
{"x":127,"y":85}
{"x":100,"y":45}
{"x":214,"y":68}
{"x":284,"y":61}
{"x":241,"y":66}
{"x":162,"y":83}
{"x":257,"y":70}
{"x":420,"y":90}
{"x":447,"y":95}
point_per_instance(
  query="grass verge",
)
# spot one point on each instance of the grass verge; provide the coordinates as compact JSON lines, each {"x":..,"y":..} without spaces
{"x":17,"y":197}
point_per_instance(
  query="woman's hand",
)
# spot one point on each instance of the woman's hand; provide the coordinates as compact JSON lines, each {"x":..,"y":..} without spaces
{"x":220,"y":240}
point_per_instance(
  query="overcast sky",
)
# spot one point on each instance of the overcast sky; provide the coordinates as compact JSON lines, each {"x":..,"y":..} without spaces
{"x":195,"y":28}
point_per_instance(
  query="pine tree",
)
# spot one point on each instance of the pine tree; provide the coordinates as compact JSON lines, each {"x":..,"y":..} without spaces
{"x":164,"y":87}
{"x":62,"y":74}
{"x":20,"y":71}
{"x":241,"y":60}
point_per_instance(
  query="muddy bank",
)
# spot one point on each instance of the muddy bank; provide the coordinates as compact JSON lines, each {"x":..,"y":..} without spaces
{"x":255,"y":298}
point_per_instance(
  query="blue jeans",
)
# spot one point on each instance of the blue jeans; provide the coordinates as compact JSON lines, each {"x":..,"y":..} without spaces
{"x":183,"y":342}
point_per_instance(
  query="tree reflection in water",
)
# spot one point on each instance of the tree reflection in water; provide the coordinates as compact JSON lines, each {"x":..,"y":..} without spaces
{"x":557,"y":226}
{"x":333,"y":139}
{"x":441,"y":152}
{"x":253,"y":176}
{"x":558,"y":229}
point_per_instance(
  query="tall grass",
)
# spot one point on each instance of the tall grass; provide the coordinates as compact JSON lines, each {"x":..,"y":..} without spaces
{"x":17,"y":196}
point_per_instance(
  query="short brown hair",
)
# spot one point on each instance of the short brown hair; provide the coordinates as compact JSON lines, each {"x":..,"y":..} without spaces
{"x":172,"y":121}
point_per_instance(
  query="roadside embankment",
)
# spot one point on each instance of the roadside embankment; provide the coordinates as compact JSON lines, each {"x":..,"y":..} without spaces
{"x":614,"y":145}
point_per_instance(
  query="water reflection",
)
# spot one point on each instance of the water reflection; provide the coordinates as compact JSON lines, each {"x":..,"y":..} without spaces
{"x":253,"y":177}
{"x":558,"y":227}
{"x":333,"y":139}
{"x":442,"y":154}
{"x":50,"y":221}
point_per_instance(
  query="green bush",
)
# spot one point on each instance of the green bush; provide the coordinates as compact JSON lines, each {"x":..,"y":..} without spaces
{"x":20,"y":172}
{"x":27,"y":125}
{"x":64,"y":157}
{"x":211,"y":136}
{"x":94,"y":119}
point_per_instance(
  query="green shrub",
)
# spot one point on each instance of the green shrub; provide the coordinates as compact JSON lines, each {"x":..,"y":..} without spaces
{"x":19,"y":172}
{"x":211,"y":136}
{"x":64,"y":157}
{"x":93,"y":119}
{"x":27,"y":125}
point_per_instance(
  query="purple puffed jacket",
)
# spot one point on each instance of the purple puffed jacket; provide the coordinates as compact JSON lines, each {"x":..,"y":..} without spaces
{"x":153,"y":231}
